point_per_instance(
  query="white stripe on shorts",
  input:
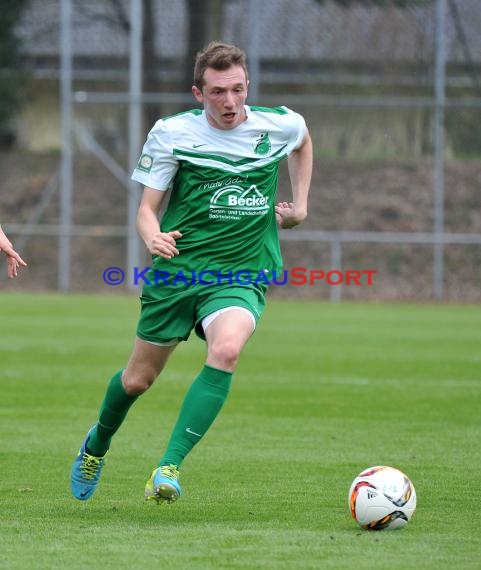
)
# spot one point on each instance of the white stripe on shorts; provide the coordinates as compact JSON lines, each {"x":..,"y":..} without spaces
{"x":206,"y":321}
{"x":174,"y":342}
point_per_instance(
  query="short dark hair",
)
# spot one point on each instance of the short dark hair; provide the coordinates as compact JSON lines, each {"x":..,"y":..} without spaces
{"x":219,"y":56}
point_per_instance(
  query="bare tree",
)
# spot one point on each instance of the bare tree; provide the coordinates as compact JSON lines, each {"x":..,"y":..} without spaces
{"x":10,"y":78}
{"x":380,"y":3}
{"x":205,"y":25}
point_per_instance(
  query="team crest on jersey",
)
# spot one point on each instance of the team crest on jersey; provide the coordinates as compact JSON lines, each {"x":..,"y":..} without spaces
{"x":145,"y":163}
{"x":261,"y":143}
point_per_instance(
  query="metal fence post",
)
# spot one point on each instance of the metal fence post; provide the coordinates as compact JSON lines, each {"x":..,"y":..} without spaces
{"x":134,"y":251}
{"x":336,"y":264}
{"x":66,"y":164}
{"x":440,"y":102}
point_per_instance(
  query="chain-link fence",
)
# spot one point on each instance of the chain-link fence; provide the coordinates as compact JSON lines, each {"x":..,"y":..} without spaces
{"x":391,"y":192}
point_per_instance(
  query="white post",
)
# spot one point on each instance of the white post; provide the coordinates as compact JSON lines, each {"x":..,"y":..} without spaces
{"x":134,"y":244}
{"x":66,"y":165}
{"x":440,"y":95}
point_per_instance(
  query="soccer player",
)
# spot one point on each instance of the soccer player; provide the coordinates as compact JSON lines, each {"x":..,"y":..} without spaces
{"x":14,"y":261}
{"x":212,"y":252}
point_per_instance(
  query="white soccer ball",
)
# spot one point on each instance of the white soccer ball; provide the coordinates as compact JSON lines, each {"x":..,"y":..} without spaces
{"x":382,"y":497}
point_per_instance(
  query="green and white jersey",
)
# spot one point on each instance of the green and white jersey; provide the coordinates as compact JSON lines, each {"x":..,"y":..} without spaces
{"x":223,"y":185}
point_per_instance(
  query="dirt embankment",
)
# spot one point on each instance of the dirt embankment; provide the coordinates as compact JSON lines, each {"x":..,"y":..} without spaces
{"x":370,"y":197}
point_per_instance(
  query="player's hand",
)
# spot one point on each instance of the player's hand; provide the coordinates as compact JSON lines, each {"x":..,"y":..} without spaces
{"x":14,"y":261}
{"x":163,"y":244}
{"x":288,"y":216}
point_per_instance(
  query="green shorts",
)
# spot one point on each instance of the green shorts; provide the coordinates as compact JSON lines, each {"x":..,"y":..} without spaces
{"x":170,"y":312}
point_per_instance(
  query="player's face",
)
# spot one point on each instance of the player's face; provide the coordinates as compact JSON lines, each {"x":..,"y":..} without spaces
{"x":223,"y":96}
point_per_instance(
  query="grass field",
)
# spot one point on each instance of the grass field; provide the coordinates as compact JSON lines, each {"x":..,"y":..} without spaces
{"x":322,"y":391}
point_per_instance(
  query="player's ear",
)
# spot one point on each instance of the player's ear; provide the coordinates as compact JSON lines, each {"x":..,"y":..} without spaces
{"x":197,"y":94}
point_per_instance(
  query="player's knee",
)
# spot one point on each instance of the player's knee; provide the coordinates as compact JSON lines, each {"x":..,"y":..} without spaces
{"x":224,"y":354}
{"x":138,"y":382}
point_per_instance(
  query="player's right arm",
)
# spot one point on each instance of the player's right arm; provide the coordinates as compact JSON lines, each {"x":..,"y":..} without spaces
{"x":157,"y":242}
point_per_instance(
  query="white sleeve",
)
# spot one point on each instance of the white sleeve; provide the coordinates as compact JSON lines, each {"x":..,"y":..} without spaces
{"x":301,"y":130}
{"x":157,"y":165}
{"x":294,"y":127}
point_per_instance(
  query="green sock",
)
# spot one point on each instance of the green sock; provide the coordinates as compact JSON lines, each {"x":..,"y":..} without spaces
{"x":201,"y":405}
{"x":112,"y":413}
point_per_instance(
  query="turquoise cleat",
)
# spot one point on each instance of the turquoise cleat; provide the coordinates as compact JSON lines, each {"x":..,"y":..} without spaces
{"x":85,"y":474}
{"x":163,"y":485}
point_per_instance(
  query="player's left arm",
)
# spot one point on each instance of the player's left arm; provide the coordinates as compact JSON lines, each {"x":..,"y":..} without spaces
{"x":290,"y":214}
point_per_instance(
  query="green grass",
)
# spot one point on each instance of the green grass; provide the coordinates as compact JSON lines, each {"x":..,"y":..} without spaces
{"x":322,"y":391}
